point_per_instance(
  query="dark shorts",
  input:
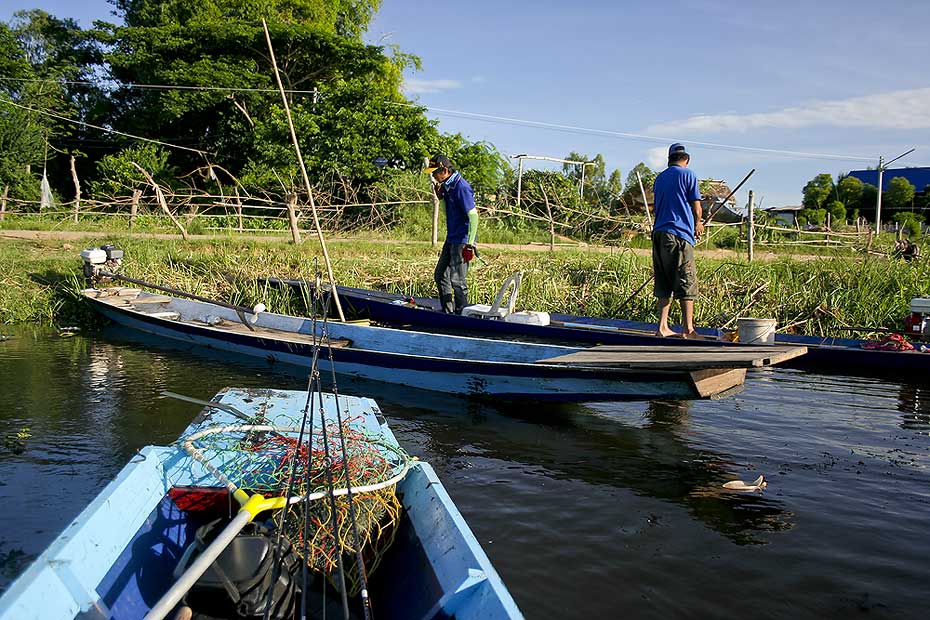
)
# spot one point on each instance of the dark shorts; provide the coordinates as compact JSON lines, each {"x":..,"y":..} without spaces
{"x":673,"y":266}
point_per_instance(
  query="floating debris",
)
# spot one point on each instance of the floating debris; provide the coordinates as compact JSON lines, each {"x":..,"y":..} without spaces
{"x":758,"y":484}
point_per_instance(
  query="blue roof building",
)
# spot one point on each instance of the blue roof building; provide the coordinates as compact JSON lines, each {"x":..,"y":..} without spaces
{"x":918,"y":177}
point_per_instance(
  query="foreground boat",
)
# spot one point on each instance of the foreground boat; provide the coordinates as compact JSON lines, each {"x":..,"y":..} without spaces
{"x":825,"y":355}
{"x":120,"y":556}
{"x":454,"y":364}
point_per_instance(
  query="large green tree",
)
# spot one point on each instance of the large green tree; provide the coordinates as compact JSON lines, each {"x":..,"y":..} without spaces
{"x":817,"y":191}
{"x":45,"y":63}
{"x":899,"y":195}
{"x":216,"y":90}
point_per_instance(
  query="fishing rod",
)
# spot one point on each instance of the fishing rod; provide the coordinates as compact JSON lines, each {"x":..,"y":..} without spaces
{"x":359,"y":559}
{"x":730,"y":195}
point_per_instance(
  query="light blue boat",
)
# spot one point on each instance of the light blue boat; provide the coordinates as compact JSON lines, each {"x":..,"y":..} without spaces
{"x":117,"y":558}
{"x":475,"y":367}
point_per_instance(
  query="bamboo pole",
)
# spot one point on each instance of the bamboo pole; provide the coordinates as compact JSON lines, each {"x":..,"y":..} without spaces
{"x":292,"y":217}
{"x":551,"y":220}
{"x":161,"y":200}
{"x":645,"y":202}
{"x":238,"y":208}
{"x":3,"y":203}
{"x":77,"y":190}
{"x":751,"y":232}
{"x":303,"y":170}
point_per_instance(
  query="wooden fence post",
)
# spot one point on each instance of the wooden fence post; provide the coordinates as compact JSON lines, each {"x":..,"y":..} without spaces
{"x":751,"y":232}
{"x":3,"y":203}
{"x":292,"y":217}
{"x":77,"y":190}
{"x":134,"y":207}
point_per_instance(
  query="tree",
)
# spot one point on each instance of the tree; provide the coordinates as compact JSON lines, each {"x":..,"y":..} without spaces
{"x":837,"y":211}
{"x":615,"y":188}
{"x":648,"y":176}
{"x":817,"y":217}
{"x":43,"y":63}
{"x":345,"y":97}
{"x":849,"y":189}
{"x":479,"y":162}
{"x":817,"y":191}
{"x":910,"y":222}
{"x":899,"y":195}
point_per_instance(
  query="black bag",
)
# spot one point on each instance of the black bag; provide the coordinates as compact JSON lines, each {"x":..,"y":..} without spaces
{"x":238,"y":583}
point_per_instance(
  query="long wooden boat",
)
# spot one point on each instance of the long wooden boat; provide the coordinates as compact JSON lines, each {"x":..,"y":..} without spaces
{"x":119,"y":556}
{"x":471,"y":366}
{"x":824,"y":354}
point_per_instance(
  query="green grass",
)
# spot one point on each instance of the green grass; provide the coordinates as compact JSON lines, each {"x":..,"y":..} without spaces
{"x":39,"y":281}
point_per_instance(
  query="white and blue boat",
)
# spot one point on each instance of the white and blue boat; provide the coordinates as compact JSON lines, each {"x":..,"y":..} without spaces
{"x":470,"y":366}
{"x":829,"y":355}
{"x":121,"y":556}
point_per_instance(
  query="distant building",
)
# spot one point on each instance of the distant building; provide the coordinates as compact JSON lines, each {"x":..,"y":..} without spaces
{"x":785,"y":215}
{"x":918,"y":177}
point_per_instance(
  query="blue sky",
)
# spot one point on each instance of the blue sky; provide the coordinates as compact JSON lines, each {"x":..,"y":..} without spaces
{"x":823,"y":78}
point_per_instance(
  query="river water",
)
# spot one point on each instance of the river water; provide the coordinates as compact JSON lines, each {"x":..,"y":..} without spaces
{"x":587,"y":511}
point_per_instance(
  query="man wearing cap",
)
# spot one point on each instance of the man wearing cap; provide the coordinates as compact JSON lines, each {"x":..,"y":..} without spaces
{"x":461,"y":230}
{"x":678,"y":224}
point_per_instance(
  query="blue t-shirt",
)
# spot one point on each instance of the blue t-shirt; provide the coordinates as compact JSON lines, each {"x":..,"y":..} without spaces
{"x":459,"y":199}
{"x":675,"y":188}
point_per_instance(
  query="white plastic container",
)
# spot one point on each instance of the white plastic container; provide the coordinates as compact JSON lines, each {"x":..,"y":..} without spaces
{"x":756,"y":331}
{"x":528,"y":317}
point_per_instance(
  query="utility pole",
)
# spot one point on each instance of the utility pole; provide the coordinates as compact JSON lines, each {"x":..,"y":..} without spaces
{"x":882,"y":164}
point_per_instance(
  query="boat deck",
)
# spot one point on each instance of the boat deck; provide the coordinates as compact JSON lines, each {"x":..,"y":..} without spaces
{"x":676,"y":357}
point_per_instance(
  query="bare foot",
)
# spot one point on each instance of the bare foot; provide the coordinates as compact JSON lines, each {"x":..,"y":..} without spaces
{"x":692,"y":335}
{"x":665,"y":333}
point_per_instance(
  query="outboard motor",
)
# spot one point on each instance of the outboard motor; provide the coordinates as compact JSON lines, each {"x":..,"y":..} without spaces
{"x":99,"y":262}
{"x":917,"y":322}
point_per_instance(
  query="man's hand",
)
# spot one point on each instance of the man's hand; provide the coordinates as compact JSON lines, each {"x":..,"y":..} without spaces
{"x":698,"y":228}
{"x":437,"y":189}
{"x":468,"y":252}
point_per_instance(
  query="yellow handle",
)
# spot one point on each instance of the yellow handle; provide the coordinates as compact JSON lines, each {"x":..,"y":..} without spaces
{"x":256,"y":504}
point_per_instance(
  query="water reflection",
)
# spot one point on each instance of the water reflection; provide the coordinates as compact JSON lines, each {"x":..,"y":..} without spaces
{"x":573,"y":442}
{"x":914,"y":404}
{"x":570,"y":441}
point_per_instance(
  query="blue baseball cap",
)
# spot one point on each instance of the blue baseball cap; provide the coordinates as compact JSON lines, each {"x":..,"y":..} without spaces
{"x":677,"y":149}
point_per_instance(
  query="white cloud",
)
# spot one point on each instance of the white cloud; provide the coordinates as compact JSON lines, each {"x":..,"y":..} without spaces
{"x":414,"y":86}
{"x":903,"y":109}
{"x":657,"y":158}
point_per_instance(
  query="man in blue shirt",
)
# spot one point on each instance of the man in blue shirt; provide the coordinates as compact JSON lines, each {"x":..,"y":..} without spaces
{"x":678,"y":224}
{"x":461,"y":230}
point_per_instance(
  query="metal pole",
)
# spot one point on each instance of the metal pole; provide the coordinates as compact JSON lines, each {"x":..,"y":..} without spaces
{"x":519,"y":180}
{"x":878,"y":199}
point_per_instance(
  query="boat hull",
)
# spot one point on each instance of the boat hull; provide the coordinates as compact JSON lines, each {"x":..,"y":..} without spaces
{"x":448,"y":364}
{"x":116,"y":558}
{"x":843,"y":356}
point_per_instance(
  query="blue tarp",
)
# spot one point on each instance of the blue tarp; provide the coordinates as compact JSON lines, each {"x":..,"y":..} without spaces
{"x":918,"y":177}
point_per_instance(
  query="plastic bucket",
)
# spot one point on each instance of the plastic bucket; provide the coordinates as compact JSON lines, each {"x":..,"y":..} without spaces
{"x":756,"y":331}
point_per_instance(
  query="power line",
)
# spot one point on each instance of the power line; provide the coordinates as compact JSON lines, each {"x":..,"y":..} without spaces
{"x":495,"y":119}
{"x":632,"y":136}
{"x":164,"y":86}
{"x":106,"y":129}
